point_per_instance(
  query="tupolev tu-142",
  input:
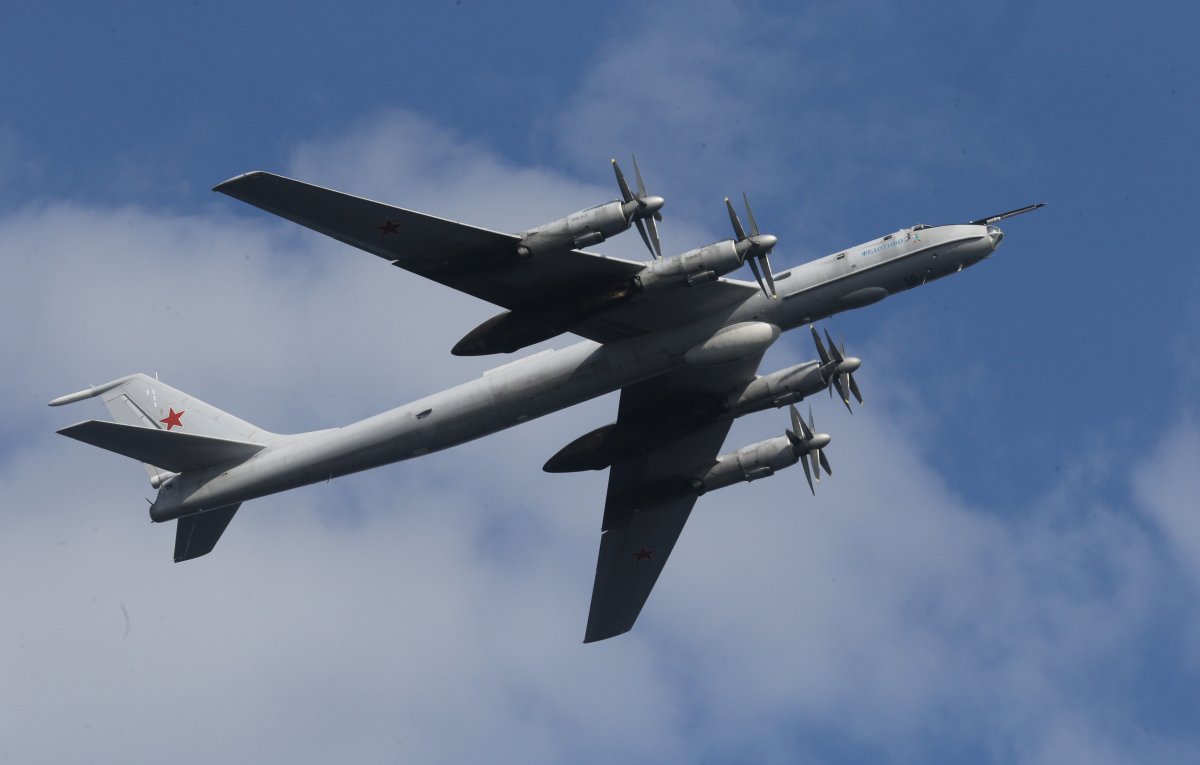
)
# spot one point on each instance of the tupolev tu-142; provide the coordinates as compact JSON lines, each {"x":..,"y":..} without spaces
{"x":679,"y":338}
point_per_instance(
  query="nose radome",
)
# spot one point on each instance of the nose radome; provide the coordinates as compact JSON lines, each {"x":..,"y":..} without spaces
{"x":996,"y":235}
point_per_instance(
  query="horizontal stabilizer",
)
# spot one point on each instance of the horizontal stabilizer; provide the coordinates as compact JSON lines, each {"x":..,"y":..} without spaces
{"x":197,"y":535}
{"x":171,"y":451}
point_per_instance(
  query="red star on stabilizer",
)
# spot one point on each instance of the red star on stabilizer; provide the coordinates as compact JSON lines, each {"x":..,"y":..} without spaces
{"x":642,"y":554}
{"x":172,"y":419}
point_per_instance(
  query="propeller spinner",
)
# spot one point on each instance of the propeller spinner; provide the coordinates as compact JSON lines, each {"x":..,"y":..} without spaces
{"x":641,"y":210}
{"x":754,"y":247}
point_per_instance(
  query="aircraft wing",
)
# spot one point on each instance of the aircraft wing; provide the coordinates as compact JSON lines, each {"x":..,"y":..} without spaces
{"x":648,"y":502}
{"x":473,"y":260}
{"x":541,"y":291}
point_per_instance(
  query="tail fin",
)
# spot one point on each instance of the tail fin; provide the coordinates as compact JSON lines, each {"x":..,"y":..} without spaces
{"x":147,"y":402}
{"x":141,"y":401}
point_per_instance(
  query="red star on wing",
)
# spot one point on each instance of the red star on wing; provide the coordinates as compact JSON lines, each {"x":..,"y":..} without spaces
{"x":172,"y":419}
{"x":643,"y":554}
{"x":388,"y":228}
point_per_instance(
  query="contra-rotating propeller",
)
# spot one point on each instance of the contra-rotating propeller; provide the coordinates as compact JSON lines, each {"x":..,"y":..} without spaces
{"x":807,"y":447}
{"x":641,"y":210}
{"x":838,"y":369}
{"x":754,"y":248}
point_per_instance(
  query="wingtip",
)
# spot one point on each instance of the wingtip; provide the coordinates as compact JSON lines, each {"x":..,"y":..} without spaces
{"x":596,"y":635}
{"x":223,"y":186}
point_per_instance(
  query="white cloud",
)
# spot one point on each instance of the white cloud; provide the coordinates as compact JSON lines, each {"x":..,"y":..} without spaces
{"x":433,"y":610}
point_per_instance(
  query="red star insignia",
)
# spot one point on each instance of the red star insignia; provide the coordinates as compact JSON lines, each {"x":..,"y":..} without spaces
{"x":643,"y":554}
{"x":172,"y":419}
{"x":388,"y":228}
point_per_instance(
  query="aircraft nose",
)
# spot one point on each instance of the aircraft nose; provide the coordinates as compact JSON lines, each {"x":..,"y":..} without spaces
{"x":996,"y":235}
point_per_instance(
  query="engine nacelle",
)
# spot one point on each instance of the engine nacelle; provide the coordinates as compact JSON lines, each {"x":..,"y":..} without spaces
{"x":581,"y":229}
{"x":704,"y":264}
{"x":749,"y":463}
{"x":787,"y":386}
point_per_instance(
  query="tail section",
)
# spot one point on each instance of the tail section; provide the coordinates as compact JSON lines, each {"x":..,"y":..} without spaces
{"x":150,"y":403}
{"x":170,"y":432}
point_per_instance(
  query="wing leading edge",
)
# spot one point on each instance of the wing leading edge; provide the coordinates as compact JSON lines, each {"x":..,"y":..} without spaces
{"x":467,"y":258}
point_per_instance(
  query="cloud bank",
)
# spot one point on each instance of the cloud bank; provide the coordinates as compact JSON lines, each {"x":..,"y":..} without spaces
{"x":433,"y":610}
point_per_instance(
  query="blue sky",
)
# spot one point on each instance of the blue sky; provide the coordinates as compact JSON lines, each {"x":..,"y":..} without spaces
{"x":1003,"y":568}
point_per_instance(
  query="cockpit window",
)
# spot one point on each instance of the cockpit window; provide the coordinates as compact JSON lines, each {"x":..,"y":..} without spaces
{"x":921,"y":227}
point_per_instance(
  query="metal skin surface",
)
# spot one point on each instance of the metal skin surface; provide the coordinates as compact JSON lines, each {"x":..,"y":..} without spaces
{"x":553,"y":380}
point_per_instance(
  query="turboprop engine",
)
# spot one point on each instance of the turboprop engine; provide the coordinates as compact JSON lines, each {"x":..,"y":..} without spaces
{"x":611,"y":443}
{"x":708,"y":263}
{"x":760,"y":460}
{"x":835,"y":371}
{"x":595,"y":224}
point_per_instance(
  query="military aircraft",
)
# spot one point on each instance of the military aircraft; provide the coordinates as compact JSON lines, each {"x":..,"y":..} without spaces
{"x":677,"y":336}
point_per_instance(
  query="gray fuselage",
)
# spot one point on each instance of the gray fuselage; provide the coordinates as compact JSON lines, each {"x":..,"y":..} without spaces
{"x":551,"y":380}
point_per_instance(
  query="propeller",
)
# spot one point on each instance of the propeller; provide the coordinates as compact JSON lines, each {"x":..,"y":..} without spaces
{"x":641,"y":210}
{"x":808,"y":447}
{"x":754,"y":248}
{"x":838,"y":369}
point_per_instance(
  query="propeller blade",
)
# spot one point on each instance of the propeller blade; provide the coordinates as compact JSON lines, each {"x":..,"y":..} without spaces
{"x":766,"y":266}
{"x":841,"y":389}
{"x":816,"y":466}
{"x":650,"y":224}
{"x":833,"y":349}
{"x":758,"y":276}
{"x":626,"y":194}
{"x":733,"y":218}
{"x":638,"y":174}
{"x":645,"y":238}
{"x":799,"y":425}
{"x":807,"y":475}
{"x":820,"y":346}
{"x":824,"y":461}
{"x":750,"y":215}
{"x":854,"y":389}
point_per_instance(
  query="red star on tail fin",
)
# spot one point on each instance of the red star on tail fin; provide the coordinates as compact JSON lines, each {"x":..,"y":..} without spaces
{"x":172,"y":419}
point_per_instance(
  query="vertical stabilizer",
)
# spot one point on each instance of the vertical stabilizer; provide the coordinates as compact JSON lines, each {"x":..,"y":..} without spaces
{"x":146,"y":402}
